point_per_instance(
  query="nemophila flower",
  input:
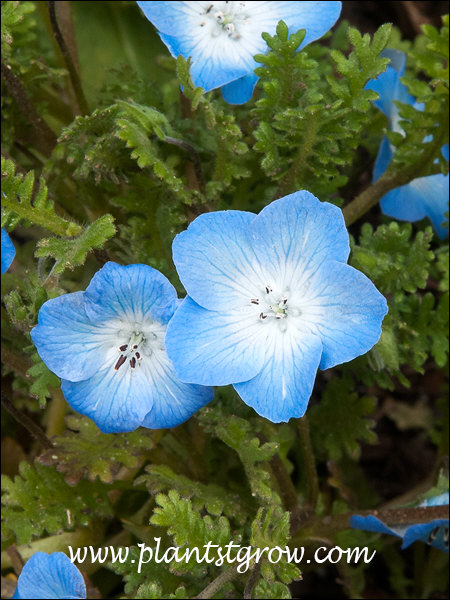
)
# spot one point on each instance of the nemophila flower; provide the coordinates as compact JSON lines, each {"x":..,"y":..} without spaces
{"x":222,"y":37}
{"x":8,"y":251}
{"x":107,"y":345}
{"x":50,"y":576}
{"x":434,"y":533}
{"x":424,"y":196}
{"x":270,"y":299}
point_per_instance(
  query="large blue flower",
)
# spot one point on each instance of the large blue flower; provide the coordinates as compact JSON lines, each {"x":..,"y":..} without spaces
{"x":223,"y":37}
{"x":270,"y":299}
{"x":107,"y":345}
{"x":8,"y":251}
{"x":50,"y":576}
{"x":422,"y":197}
{"x":434,"y":533}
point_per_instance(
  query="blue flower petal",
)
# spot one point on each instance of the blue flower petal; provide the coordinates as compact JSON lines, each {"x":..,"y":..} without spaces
{"x":149,"y":395}
{"x":434,"y":533}
{"x":129,"y":291}
{"x":422,"y":197}
{"x":67,"y":341}
{"x":384,"y":157}
{"x":50,"y":576}
{"x":240,"y":90}
{"x":215,"y":260}
{"x":282,"y":389}
{"x":215,"y":348}
{"x":173,"y":401}
{"x":8,"y":252}
{"x":290,"y":241}
{"x":117,"y":401}
{"x":344,"y":308}
{"x":371,"y":523}
{"x":220,"y":55}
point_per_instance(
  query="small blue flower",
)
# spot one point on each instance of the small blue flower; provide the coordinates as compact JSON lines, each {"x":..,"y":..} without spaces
{"x":422,"y":197}
{"x":8,"y":251}
{"x":270,"y":299}
{"x":50,"y":576}
{"x":107,"y":345}
{"x":434,"y":533}
{"x":222,"y":37}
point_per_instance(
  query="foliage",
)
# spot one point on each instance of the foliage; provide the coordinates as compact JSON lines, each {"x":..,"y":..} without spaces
{"x":118,"y":183}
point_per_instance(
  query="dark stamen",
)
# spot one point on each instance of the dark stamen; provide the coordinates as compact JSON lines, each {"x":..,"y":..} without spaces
{"x":254,"y":301}
{"x":133,"y":363}
{"x":268,"y":289}
{"x":138,"y":356}
{"x":120,"y":362}
{"x":135,"y":346}
{"x":209,"y":8}
{"x":262,"y":316}
{"x":123,"y":348}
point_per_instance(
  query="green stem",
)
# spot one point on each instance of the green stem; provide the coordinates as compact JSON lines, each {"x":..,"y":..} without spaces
{"x":73,"y":74}
{"x":218,"y":583}
{"x":28,"y":423}
{"x":49,"y":221}
{"x":391,"y":180}
{"x":43,"y":137}
{"x":290,"y":182}
{"x":56,"y":413}
{"x":310,"y":461}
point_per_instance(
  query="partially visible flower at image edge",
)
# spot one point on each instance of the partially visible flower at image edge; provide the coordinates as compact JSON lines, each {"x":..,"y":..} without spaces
{"x":50,"y":576}
{"x":434,"y":533}
{"x":8,"y":251}
{"x":424,"y":196}
{"x":270,"y":299}
{"x":107,"y":345}
{"x":223,"y":37}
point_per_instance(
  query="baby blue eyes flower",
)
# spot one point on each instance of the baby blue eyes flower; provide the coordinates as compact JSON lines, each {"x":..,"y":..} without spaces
{"x":422,"y":197}
{"x":434,"y":533}
{"x":222,"y":37}
{"x":8,"y":251}
{"x":107,"y":345}
{"x":270,"y":299}
{"x":50,"y":576}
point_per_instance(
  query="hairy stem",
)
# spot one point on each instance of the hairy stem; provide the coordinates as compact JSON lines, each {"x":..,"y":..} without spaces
{"x":26,"y":422}
{"x":43,"y":137}
{"x":310,"y":461}
{"x":217,"y":584}
{"x":73,"y":73}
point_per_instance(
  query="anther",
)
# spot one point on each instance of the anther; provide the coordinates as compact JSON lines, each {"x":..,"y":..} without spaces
{"x":120,"y":362}
{"x":123,"y":348}
{"x":268,"y":289}
{"x":254,"y":301}
{"x":219,"y":16}
{"x":133,"y":363}
{"x":138,"y":356}
{"x":229,"y":28}
{"x":262,"y":316}
{"x":202,"y":24}
{"x":135,"y":346}
{"x":209,"y":8}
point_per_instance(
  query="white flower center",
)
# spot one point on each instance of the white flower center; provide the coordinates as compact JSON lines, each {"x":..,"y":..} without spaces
{"x":225,"y":18}
{"x":138,"y":341}
{"x":274,"y":306}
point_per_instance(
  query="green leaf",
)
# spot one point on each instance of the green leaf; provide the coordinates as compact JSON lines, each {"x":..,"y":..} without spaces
{"x":86,"y":452}
{"x":38,"y":501}
{"x":69,"y":253}
{"x":341,"y":420}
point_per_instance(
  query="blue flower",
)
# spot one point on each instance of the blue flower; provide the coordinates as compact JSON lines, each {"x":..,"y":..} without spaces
{"x":434,"y":533}
{"x":107,"y":345}
{"x":8,"y":251}
{"x":422,"y":197}
{"x":270,"y":299}
{"x":50,"y":576}
{"x":222,"y":37}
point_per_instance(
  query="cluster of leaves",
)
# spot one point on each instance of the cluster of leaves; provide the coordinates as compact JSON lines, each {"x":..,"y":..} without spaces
{"x":118,"y":183}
